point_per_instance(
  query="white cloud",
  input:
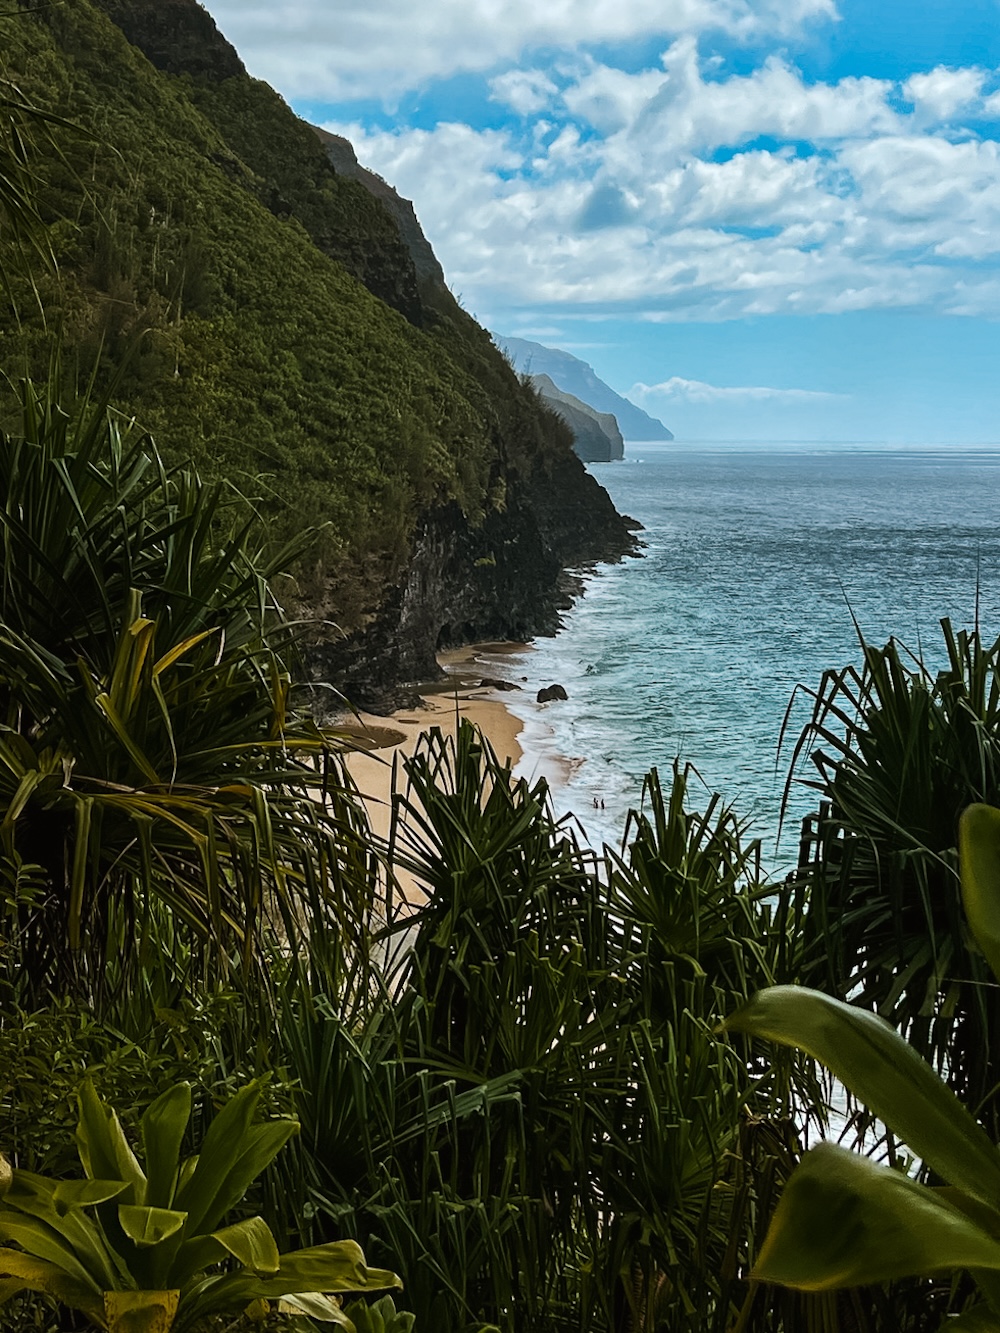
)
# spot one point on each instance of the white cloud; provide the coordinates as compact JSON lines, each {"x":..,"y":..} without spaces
{"x":678,"y":390}
{"x":943,"y":93}
{"x":312,"y":49}
{"x":682,"y":111}
{"x":526,"y":91}
{"x":677,"y":192}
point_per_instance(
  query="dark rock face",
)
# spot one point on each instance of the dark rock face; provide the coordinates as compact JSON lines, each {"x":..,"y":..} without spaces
{"x":498,"y":581}
{"x":177,"y":36}
{"x":462,"y":584}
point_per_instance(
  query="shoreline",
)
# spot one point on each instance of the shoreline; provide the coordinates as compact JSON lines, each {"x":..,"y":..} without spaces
{"x":492,"y":684}
{"x":469,"y":691}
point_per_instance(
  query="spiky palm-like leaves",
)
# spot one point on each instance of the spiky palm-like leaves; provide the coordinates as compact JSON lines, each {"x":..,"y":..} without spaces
{"x":537,"y":1122}
{"x":899,"y":752}
{"x":150,"y":754}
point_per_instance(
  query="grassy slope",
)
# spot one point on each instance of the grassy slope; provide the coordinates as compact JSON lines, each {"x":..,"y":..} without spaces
{"x":262,"y":357}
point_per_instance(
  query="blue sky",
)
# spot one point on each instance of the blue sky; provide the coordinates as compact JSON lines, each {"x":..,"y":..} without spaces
{"x":756,"y":218}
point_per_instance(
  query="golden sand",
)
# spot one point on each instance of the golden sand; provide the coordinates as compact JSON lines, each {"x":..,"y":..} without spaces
{"x":444,"y":704}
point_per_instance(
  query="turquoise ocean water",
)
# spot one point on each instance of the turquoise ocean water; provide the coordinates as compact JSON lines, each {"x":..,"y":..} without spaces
{"x":756,"y":556}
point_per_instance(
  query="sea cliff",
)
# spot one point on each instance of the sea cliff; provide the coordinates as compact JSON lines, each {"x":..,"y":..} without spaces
{"x":596,"y":437}
{"x":273,"y":312}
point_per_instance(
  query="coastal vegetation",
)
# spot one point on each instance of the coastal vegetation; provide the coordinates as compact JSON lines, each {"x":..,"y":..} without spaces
{"x":260,"y":315}
{"x":522,"y":1092}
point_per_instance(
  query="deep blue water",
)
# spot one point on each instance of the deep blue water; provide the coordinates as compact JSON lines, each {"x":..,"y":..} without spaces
{"x":755,"y":559}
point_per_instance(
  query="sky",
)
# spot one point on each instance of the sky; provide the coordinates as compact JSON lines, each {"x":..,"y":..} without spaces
{"x":758,"y":219}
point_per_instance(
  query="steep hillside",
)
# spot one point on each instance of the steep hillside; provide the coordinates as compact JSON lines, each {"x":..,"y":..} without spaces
{"x":276,"y":329}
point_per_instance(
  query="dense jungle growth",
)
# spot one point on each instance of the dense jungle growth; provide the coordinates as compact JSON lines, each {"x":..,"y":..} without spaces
{"x":552,"y":1090}
{"x":261,"y":315}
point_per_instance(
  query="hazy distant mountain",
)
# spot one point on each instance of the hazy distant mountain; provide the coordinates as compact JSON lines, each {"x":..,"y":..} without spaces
{"x":574,"y":376}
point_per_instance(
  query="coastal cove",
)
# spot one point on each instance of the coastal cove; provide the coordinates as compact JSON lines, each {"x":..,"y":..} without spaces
{"x":409,"y":920}
{"x":757,"y":562}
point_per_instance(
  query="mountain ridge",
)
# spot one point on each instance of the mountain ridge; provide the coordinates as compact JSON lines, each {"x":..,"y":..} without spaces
{"x":596,"y":436}
{"x":265,"y":318}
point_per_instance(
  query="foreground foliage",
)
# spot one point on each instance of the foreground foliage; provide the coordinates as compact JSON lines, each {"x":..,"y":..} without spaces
{"x":899,"y":750}
{"x":152,"y":758}
{"x":845,"y":1221}
{"x":538,"y":1123}
{"x":141,"y":1260}
{"x":514,"y":1090}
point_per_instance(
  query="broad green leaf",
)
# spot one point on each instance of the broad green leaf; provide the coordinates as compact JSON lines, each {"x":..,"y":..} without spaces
{"x":85,"y":1193}
{"x":845,"y":1221}
{"x":57,"y":1209}
{"x":162,"y":1128}
{"x":35,"y":1274}
{"x":42,"y":1241}
{"x":250,"y":1242}
{"x":188,"y":1167}
{"x":11,"y":1286}
{"x":222,"y":1148}
{"x":104,"y":1149}
{"x":319,"y":1307}
{"x":382,"y":1317}
{"x":979,"y":859}
{"x":149,"y":1226}
{"x":986,"y":1218}
{"x":878,"y":1066}
{"x":337,"y":1267}
{"x":261,"y":1144}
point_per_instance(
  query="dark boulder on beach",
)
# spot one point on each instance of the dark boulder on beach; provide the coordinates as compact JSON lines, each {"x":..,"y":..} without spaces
{"x":551,"y":692}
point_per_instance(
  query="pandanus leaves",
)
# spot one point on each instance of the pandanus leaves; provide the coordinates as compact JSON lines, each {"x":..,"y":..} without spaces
{"x":150,"y":759}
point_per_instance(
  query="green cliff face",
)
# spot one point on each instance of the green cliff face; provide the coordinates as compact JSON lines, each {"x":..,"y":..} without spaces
{"x":275,"y":330}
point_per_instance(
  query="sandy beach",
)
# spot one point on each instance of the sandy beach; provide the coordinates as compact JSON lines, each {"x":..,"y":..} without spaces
{"x":494,"y":687}
{"x":443,"y":704}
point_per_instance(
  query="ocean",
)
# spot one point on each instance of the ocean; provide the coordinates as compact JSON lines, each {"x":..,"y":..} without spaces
{"x":758,"y":560}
